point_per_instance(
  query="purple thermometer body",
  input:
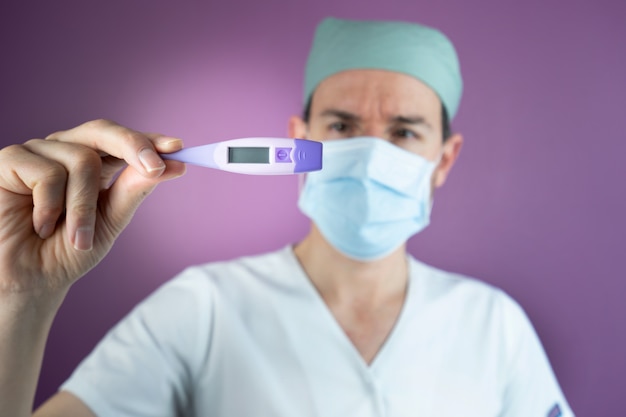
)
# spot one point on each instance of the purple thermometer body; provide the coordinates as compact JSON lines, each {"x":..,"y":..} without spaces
{"x":255,"y":156}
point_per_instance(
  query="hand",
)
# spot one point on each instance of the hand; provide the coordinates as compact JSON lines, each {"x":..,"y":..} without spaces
{"x":62,"y":205}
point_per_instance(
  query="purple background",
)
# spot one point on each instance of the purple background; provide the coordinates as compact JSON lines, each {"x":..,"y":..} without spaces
{"x":535,"y":205}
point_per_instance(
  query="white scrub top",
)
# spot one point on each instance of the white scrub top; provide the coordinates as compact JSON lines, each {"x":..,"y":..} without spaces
{"x":252,"y":337}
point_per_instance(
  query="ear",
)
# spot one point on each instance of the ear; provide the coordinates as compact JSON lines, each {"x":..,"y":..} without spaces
{"x":451,"y":150}
{"x":297,"y":127}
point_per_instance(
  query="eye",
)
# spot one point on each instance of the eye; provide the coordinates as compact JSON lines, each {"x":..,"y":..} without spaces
{"x":405,"y":134}
{"x":339,"y":127}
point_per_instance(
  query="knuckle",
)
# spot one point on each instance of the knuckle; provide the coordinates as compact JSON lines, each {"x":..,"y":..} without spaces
{"x":52,"y":173}
{"x":135,"y":141}
{"x":98,"y":124}
{"x":11,"y":151}
{"x":132,"y":136}
{"x":50,"y":209}
{"x":84,"y":209}
{"x":53,"y":136}
{"x":32,"y":142}
{"x":85,"y":160}
{"x":124,"y":136}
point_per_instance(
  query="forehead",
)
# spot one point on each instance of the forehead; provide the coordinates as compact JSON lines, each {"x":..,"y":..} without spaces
{"x":376,"y":93}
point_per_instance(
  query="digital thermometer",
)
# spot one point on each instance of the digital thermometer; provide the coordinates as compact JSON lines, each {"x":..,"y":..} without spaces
{"x":255,"y":156}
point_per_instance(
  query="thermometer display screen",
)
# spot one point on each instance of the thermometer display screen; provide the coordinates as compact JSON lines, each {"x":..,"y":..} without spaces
{"x":248,"y":155}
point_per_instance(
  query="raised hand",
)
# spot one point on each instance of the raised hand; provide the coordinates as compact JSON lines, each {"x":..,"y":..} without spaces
{"x":62,"y":205}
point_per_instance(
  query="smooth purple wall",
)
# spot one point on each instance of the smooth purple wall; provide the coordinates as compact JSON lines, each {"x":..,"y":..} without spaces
{"x":534,"y":206}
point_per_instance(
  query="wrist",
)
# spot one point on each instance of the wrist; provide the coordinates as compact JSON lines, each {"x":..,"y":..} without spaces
{"x":37,"y":304}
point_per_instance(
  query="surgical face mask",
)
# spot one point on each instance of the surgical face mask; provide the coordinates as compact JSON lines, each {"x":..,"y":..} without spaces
{"x":370,"y":196}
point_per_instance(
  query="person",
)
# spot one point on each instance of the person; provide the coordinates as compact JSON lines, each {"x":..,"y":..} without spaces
{"x":345,"y":322}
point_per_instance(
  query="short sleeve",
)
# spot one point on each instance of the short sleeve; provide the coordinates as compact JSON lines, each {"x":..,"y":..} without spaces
{"x":531,"y":389}
{"x":144,"y":366}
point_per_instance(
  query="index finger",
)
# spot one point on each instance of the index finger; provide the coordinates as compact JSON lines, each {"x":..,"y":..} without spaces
{"x":136,"y":148}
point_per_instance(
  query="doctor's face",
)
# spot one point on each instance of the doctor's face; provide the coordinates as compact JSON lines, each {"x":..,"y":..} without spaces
{"x":385,"y":104}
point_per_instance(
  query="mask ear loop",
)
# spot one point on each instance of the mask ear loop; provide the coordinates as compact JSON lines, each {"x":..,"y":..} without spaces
{"x":432,"y":194}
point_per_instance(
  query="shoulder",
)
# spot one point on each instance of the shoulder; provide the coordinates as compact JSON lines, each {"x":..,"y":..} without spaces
{"x":210,"y":283}
{"x":468,"y":298}
{"x":262,"y":264}
{"x":180,"y":316}
{"x":263,"y":269}
{"x":437,"y":283}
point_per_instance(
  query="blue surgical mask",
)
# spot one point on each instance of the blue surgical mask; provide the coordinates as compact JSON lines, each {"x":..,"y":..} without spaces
{"x":369,"y":198}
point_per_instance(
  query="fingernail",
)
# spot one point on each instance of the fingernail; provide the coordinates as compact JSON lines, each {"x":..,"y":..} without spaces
{"x":83,"y":239}
{"x":167,"y":141}
{"x":150,"y":160}
{"x":46,"y":230}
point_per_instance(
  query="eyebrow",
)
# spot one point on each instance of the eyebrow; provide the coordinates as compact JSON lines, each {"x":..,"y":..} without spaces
{"x":412,"y":120}
{"x":340,"y":114}
{"x":409,"y":120}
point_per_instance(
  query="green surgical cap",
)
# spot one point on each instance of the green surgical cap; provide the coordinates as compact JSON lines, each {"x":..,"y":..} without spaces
{"x":408,"y":48}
